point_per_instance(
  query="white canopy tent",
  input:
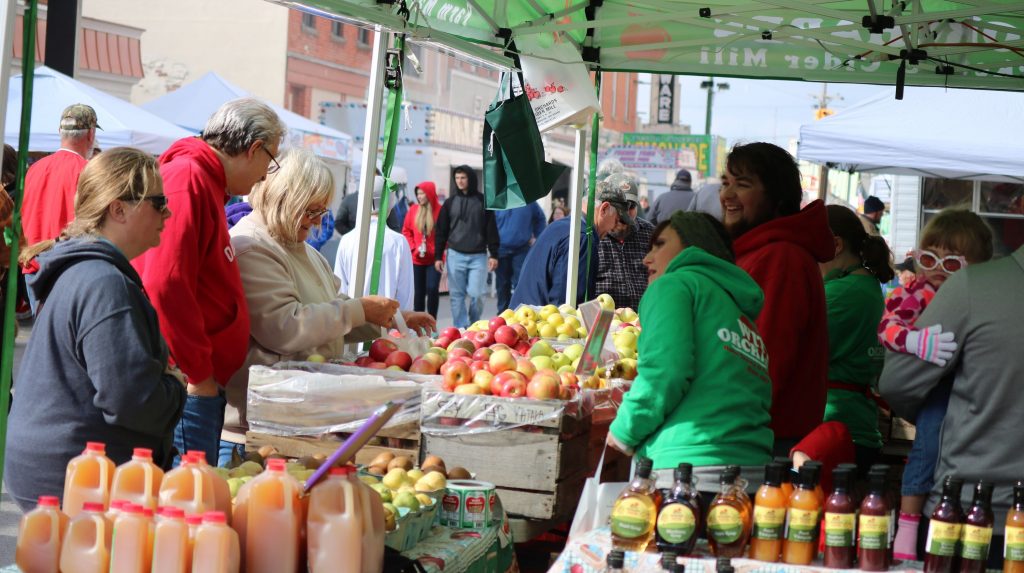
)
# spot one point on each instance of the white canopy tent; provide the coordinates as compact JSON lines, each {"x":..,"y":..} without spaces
{"x":933,"y":132}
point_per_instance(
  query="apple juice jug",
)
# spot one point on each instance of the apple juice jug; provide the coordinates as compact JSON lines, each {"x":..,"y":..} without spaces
{"x":769,"y":515}
{"x":873,"y":526}
{"x":1013,"y":547}
{"x":87,"y":543}
{"x":634,"y":513}
{"x":374,"y":530}
{"x":40,"y":534}
{"x":131,"y":546}
{"x":88,"y":479}
{"x":170,"y":542}
{"x":345,"y":526}
{"x":216,"y":546}
{"x":219,"y":485}
{"x":267,"y":519}
{"x":840,"y":519}
{"x":138,"y":481}
{"x":679,"y":515}
{"x":800,"y":545}
{"x":945,"y":529}
{"x":977,"y":535}
{"x":729,"y":517}
{"x":188,"y":487}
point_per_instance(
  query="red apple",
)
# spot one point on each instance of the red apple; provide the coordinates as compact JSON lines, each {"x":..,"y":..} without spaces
{"x":463,"y":344}
{"x":521,"y":331}
{"x":477,"y":366}
{"x":363,"y":361}
{"x":443,"y":342}
{"x":523,"y":347}
{"x":482,"y":354}
{"x":525,"y":367}
{"x":400,"y":359}
{"x":483,"y":378}
{"x":569,"y":379}
{"x":381,"y":348}
{"x":513,"y":389}
{"x":499,"y":381}
{"x":377,"y":365}
{"x":460,"y":353}
{"x":566,"y":393}
{"x":499,"y":346}
{"x":457,"y":374}
{"x":501,"y":361}
{"x":543,"y":386}
{"x":495,"y":323}
{"x":506,"y":335}
{"x":481,"y":339}
{"x":434,"y":358}
{"x":423,"y":366}
{"x":451,"y":333}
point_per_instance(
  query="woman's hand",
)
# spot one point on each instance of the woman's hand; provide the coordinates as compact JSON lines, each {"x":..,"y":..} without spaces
{"x":420,"y":322}
{"x":615,"y":444}
{"x":379,"y":310}
{"x":799,"y":458}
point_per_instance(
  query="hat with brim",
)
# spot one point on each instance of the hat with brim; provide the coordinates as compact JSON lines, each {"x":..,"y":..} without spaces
{"x":619,"y":190}
{"x":906,"y":265}
{"x":78,"y":116}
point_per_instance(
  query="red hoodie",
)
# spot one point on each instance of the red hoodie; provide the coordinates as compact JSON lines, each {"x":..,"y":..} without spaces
{"x":192,"y":278}
{"x":415,"y":235}
{"x":782,"y":255}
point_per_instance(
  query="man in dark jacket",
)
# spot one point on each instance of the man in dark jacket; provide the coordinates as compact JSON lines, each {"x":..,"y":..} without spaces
{"x":346,"y":219}
{"x":621,"y":272}
{"x":677,"y":198}
{"x":469,"y":232}
{"x":517,"y":228}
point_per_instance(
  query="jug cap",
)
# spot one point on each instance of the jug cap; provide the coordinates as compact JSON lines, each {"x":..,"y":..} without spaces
{"x":215,"y":517}
{"x":147,"y":512}
{"x":171,"y":511}
{"x":342,"y":471}
{"x":92,"y":506}
{"x":98,"y":447}
{"x":118,"y":504}
{"x":49,"y":501}
{"x":133,"y":508}
{"x":276,"y":465}
{"x":197,"y":455}
{"x":142,"y":453}
{"x":193,"y":519}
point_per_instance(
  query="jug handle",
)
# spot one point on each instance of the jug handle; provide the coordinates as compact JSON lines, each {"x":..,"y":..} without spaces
{"x":147,"y":470}
{"x":197,"y":481}
{"x":101,"y":532}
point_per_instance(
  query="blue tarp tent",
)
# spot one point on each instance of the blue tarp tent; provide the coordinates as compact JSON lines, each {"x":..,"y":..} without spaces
{"x":191,"y":105}
{"x":122,"y":123}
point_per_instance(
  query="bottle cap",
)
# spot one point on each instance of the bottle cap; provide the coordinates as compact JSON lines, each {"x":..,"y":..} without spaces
{"x":644,"y":467}
{"x":342,"y":471}
{"x":96,"y":447}
{"x":815,"y":468}
{"x":276,"y":465}
{"x":729,"y":475}
{"x":668,"y":560}
{"x":49,"y":501}
{"x":684,"y":472}
{"x":133,"y":508}
{"x":842,"y":479}
{"x":118,"y":504}
{"x":215,"y":517}
{"x":171,"y":511}
{"x":879,"y":469}
{"x":193,"y":519}
{"x":773,"y":473}
{"x":197,"y":456}
{"x":807,"y":477}
{"x":147,"y":512}
{"x":92,"y":506}
{"x":145,"y":453}
{"x":679,"y":568}
{"x":984,"y":490}
{"x":616,"y":559}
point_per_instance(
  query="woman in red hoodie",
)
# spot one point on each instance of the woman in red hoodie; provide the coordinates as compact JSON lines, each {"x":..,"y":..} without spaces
{"x":419,"y":231}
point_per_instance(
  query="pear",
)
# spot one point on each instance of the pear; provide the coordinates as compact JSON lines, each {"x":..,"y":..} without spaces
{"x":406,"y":499}
{"x":385,"y":493}
{"x":395,"y":478}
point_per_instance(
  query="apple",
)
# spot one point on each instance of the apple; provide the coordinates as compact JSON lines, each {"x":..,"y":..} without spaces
{"x":443,"y":342}
{"x":381,"y":348}
{"x":606,"y":301}
{"x":457,"y":374}
{"x":568,"y":378}
{"x":363,"y":361}
{"x":377,"y":365}
{"x":483,"y":354}
{"x":423,"y":366}
{"x":513,"y":389}
{"x":521,"y":331}
{"x":541,"y":362}
{"x":496,"y":323}
{"x":525,"y":367}
{"x":559,"y":360}
{"x":569,"y":368}
{"x":526,"y":313}
{"x":395,"y":367}
{"x":400,"y":359}
{"x":460,"y":353}
{"x":531,"y":328}
{"x":462,"y":343}
{"x":545,"y":330}
{"x":481,"y":339}
{"x":624,"y":368}
{"x":435,"y":358}
{"x":567,"y":309}
{"x":506,"y":335}
{"x":541,"y":348}
{"x":523,"y":348}
{"x":483,"y":378}
{"x":627,"y":315}
{"x":501,"y":361}
{"x":316,"y":358}
{"x":451,"y":333}
{"x":500,"y":380}
{"x":468,"y":389}
{"x":573,"y":351}
{"x":543,"y":386}
{"x":565,"y":393}
{"x":477,"y":365}
{"x":499,"y":346}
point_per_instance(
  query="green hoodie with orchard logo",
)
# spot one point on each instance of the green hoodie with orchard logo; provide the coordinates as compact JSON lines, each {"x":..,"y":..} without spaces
{"x":703,"y":393}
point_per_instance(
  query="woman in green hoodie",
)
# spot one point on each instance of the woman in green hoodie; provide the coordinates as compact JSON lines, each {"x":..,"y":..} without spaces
{"x":702,"y":395}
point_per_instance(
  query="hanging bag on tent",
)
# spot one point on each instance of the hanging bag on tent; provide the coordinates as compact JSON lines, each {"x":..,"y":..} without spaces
{"x":515,"y":172}
{"x":558,"y":84}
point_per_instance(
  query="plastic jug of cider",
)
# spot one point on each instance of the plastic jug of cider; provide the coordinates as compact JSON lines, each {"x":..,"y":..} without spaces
{"x":267,"y":519}
{"x":131,"y":547}
{"x":114,"y":509}
{"x":39,"y":537}
{"x":343,"y":531}
{"x":188,"y":487}
{"x":216,"y":546}
{"x":219,"y":485}
{"x":86,"y":546}
{"x":88,"y":479}
{"x":170,"y":542}
{"x":138,"y":481}
{"x":373,"y":525}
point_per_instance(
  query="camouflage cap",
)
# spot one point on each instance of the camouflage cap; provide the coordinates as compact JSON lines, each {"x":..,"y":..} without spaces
{"x":620,"y":190}
{"x":78,"y":116}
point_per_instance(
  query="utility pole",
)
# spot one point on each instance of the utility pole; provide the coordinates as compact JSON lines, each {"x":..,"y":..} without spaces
{"x":711,"y":86}
{"x":821,"y":111}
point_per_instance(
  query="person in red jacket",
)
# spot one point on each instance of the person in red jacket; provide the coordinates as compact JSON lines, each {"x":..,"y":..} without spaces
{"x":780,"y":245}
{"x":192,"y":278}
{"x":418,"y":229}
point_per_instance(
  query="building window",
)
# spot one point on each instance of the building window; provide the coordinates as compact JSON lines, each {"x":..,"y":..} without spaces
{"x":1000,"y":205}
{"x":298,"y":99}
{"x":308,"y":23}
{"x":364,"y":37}
{"x":337,"y":30}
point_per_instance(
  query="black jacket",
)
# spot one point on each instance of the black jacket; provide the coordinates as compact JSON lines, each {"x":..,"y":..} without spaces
{"x":346,"y":219}
{"x":465,"y":224}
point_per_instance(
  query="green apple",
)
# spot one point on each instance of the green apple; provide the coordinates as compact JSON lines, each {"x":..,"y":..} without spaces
{"x":542,"y":362}
{"x":563,"y":337}
{"x":606,"y":301}
{"x":559,"y":359}
{"x":566,"y":369}
{"x":625,"y":352}
{"x":316,"y":358}
{"x":234,"y":484}
{"x":573,"y":351}
{"x":407,"y":499}
{"x":222,"y":472}
{"x":541,"y":348}
{"x":385,"y":493}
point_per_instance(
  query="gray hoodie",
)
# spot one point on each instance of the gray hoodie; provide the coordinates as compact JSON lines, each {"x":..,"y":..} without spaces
{"x":93,"y":370}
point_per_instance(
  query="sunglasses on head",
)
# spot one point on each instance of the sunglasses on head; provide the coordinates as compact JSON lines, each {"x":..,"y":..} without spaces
{"x":929,"y":261}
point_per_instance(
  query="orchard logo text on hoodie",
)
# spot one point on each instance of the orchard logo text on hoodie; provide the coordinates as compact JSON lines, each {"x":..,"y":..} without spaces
{"x":745,"y":343}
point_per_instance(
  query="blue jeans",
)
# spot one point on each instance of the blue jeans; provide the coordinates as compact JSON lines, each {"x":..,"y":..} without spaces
{"x":508,"y":275}
{"x":226,"y":448}
{"x":467,"y":276}
{"x":919,"y":473}
{"x":200,"y":426}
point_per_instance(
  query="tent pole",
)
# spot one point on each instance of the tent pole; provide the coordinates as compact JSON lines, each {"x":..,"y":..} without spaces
{"x":576,"y":216}
{"x":7,"y":19}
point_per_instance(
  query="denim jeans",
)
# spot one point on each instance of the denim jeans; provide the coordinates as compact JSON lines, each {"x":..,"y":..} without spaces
{"x":467,"y":277}
{"x":426,"y":280}
{"x":508,"y":275}
{"x":919,"y":473}
{"x":226,"y":448}
{"x":200,"y":426}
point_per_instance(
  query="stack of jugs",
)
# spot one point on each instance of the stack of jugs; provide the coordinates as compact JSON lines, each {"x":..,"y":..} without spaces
{"x":345,"y":527}
{"x":138,"y":481}
{"x":189,"y":487}
{"x":40,"y":535}
{"x":87,"y":543}
{"x":221,"y":490}
{"x":216,"y":546}
{"x":87,"y":479}
{"x":268,"y":517}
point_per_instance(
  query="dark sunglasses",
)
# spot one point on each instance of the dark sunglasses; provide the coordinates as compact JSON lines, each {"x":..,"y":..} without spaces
{"x":159,"y":202}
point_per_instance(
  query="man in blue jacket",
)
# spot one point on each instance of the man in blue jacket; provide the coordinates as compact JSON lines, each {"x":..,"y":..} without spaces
{"x":517,"y":229}
{"x":546,"y":269}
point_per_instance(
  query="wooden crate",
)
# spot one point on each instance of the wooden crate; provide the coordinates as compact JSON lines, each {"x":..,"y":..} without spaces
{"x":535,"y":452}
{"x":401,"y":439}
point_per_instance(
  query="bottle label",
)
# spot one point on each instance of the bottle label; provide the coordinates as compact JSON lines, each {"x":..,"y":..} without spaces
{"x":942,"y":538}
{"x":768,"y":523}
{"x":676,"y":523}
{"x":630,"y":518}
{"x":725,"y":524}
{"x":1014,"y":548}
{"x":839,"y":529}
{"x":975,"y":542}
{"x":874,"y":531}
{"x":801,"y":525}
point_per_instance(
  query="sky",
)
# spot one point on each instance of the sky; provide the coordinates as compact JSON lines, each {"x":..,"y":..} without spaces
{"x":757,"y":110}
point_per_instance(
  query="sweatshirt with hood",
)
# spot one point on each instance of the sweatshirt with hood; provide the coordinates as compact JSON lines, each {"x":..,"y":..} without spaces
{"x":782,"y":255}
{"x":192,"y":278}
{"x":414,"y":234}
{"x":702,"y":392}
{"x":465,"y":224}
{"x":93,"y":370}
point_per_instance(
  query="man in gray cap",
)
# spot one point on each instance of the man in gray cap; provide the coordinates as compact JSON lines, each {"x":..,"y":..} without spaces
{"x":50,"y":184}
{"x":678,"y":198}
{"x":874,"y":210}
{"x":621,"y":272}
{"x":545,"y":271}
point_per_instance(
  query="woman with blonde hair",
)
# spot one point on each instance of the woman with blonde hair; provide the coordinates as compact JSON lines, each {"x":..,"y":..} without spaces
{"x":295,"y":309}
{"x":96,"y":366}
{"x":418,"y":229}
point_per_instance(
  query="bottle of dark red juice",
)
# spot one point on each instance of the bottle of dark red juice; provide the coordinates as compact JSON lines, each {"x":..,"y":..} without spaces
{"x":873,"y":526}
{"x":840,"y":516}
{"x":944,"y":529}
{"x":977,"y":535}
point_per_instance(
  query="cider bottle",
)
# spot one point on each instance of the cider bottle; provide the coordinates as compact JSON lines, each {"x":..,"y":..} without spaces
{"x":131,"y":546}
{"x":188,"y":487}
{"x":678,"y":518}
{"x":840,"y":518}
{"x":272,"y":514}
{"x":800,"y":545}
{"x":873,"y":526}
{"x":87,"y":543}
{"x":729,"y":517}
{"x":769,"y":515}
{"x":1013,"y":548}
{"x":787,"y":477}
{"x":216,"y":546}
{"x":945,"y":527}
{"x":40,"y":534}
{"x":977,"y":536}
{"x":88,"y":478}
{"x":634,"y":513}
{"x":138,"y":481}
{"x":336,"y":523}
{"x":170,"y":542}
{"x":116,"y":505}
{"x":219,"y":485}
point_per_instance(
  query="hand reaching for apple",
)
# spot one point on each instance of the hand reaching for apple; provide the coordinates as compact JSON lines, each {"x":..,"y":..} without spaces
{"x":379,"y":310}
{"x":420,"y":322}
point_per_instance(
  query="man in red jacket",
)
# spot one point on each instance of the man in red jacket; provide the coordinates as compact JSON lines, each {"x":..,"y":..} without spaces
{"x":780,"y":246}
{"x":192,"y":277}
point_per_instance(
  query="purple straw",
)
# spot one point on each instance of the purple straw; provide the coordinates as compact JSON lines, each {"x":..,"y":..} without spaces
{"x":357,"y":440}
